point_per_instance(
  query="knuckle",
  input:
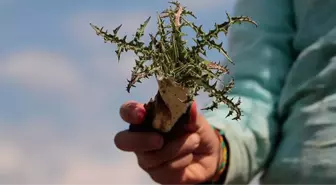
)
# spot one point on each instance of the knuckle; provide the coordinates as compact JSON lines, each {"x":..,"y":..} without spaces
{"x":180,"y":163}
{"x":183,"y":146}
{"x":162,"y":179}
{"x":164,"y":175}
{"x":149,"y":161}
{"x":153,"y":141}
{"x":193,"y":139}
{"x":118,"y":140}
{"x":171,"y":166}
{"x":142,"y":165}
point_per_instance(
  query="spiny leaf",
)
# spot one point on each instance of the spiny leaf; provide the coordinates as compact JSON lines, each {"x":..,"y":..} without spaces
{"x":115,"y":31}
{"x":141,"y":30}
{"x":172,"y":58}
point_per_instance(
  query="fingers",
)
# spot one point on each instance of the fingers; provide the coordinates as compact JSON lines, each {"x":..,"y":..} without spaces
{"x":170,"y":152}
{"x":180,"y":162}
{"x":138,"y":141}
{"x":168,"y":176}
{"x":132,"y":112}
{"x":184,"y":170}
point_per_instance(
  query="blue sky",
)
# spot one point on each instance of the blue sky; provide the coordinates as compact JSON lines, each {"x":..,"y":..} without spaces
{"x":61,"y":88}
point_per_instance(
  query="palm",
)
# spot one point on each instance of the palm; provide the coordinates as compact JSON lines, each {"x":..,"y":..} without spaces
{"x":205,"y":159}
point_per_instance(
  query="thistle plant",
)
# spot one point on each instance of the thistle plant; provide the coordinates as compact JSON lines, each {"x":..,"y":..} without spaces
{"x":168,"y":57}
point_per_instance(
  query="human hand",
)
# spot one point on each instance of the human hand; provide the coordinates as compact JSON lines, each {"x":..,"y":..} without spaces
{"x":189,"y":158}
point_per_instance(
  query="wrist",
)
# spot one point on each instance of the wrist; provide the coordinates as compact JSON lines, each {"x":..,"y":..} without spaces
{"x":222,"y":161}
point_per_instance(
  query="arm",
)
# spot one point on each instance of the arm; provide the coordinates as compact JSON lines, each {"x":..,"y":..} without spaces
{"x":262,"y":56}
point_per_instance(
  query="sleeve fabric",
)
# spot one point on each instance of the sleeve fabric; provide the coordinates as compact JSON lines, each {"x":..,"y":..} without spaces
{"x":262,"y":58}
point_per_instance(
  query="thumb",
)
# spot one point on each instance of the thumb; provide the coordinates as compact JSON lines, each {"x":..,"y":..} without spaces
{"x":193,"y":125}
{"x":132,"y":112}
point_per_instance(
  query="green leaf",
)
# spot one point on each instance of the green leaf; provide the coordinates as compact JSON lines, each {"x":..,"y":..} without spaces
{"x":168,"y":55}
{"x":141,"y":29}
{"x":115,"y":31}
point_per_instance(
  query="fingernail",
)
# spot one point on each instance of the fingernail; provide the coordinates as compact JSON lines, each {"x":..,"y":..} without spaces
{"x":141,"y":113}
{"x":137,"y":115}
{"x":127,"y":109}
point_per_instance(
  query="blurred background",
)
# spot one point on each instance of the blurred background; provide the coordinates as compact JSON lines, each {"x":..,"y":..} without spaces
{"x":61,"y":88}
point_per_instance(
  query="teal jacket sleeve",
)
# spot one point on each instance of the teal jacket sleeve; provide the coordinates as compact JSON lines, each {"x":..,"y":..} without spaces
{"x":262,"y":57}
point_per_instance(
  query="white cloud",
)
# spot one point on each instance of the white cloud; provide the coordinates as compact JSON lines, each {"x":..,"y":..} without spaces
{"x":121,"y":171}
{"x":54,"y":77}
{"x":42,"y":151}
{"x":41,"y":71}
{"x":11,"y":158}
